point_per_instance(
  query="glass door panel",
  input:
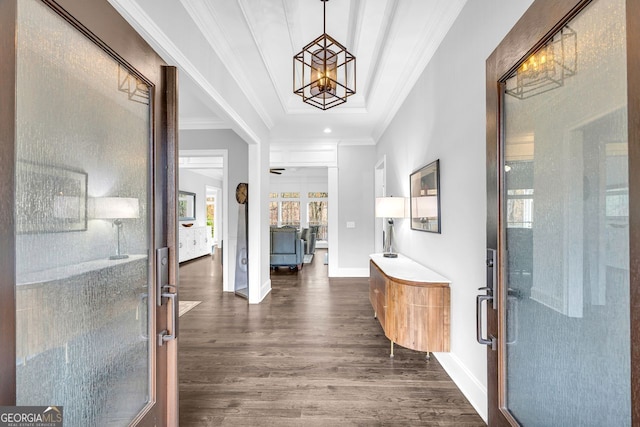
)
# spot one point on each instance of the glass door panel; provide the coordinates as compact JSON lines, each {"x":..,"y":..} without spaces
{"x":566,"y":227}
{"x":83,"y":225}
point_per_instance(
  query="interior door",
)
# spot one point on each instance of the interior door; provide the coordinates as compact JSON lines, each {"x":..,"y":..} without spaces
{"x":560,"y":217}
{"x":88,"y":156}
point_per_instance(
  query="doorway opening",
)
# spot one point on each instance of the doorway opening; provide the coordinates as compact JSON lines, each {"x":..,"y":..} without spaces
{"x":213,"y":213}
{"x":299,"y":199}
{"x":204,"y":173}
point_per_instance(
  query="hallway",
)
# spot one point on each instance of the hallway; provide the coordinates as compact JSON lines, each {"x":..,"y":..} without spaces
{"x":310,"y":355}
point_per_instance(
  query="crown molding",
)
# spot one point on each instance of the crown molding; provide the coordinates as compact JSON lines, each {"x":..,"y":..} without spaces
{"x":198,"y":123}
{"x":355,"y":25}
{"x":381,"y":46}
{"x":313,"y":144}
{"x":219,"y":42}
{"x":313,"y":153}
{"x":244,"y":8}
{"x":163,"y":45}
{"x":357,"y":142}
{"x":308,"y":144}
{"x":187,"y":162}
{"x":341,"y":111}
{"x":429,"y":41}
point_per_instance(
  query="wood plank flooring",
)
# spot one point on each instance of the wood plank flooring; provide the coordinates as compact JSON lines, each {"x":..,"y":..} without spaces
{"x":311,"y":354}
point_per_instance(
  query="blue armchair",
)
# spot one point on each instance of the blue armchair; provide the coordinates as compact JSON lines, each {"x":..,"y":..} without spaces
{"x":308,"y":236}
{"x":286,"y":248}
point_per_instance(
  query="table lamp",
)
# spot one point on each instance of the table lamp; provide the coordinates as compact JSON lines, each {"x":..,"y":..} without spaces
{"x":117,"y":209}
{"x":390,"y":208}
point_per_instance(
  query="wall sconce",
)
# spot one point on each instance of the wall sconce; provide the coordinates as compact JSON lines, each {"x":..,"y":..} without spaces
{"x":547,"y":68}
{"x":390,"y":208}
{"x":117,"y":209}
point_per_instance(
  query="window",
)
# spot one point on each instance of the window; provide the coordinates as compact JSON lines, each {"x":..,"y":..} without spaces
{"x":520,"y":208}
{"x":290,"y":213}
{"x":211,"y":214}
{"x":300,"y":209}
{"x":273,"y":214}
{"x":319,"y":216}
{"x":318,"y":195}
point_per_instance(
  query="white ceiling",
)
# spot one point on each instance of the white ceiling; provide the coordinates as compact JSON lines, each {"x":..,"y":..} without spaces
{"x":255,"y":40}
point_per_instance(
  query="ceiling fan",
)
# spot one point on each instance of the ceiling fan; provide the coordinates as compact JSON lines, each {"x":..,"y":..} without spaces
{"x":277,"y":171}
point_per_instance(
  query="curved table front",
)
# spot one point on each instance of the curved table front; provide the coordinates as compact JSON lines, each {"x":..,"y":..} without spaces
{"x":411,"y":302}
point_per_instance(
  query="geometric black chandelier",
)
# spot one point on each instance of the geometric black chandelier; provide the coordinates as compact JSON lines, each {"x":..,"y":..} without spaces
{"x":324,"y":72}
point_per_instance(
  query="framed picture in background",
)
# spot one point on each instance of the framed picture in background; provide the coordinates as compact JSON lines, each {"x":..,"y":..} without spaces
{"x":50,"y":199}
{"x":425,"y":198}
{"x":186,"y":206}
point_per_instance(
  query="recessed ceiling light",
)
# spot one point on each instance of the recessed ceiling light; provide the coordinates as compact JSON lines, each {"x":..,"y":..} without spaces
{"x":327,"y":130}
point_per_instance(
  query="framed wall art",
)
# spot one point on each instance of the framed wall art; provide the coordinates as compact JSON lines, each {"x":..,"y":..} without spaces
{"x":50,"y":199}
{"x":186,"y":206}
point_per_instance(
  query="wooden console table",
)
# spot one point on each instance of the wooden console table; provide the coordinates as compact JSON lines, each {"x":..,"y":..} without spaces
{"x":411,"y":302}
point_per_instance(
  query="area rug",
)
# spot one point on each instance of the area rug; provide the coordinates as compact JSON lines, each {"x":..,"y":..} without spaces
{"x":308,"y":258}
{"x":185,"y":306}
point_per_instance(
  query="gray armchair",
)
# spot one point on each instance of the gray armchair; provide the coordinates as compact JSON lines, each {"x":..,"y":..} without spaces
{"x":309,"y":237}
{"x":286,"y":248}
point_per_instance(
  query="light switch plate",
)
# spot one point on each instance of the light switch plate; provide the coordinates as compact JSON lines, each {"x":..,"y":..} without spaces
{"x":351,"y":224}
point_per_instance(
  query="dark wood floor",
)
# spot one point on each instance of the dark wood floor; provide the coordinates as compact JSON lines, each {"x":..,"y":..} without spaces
{"x":311,"y":354}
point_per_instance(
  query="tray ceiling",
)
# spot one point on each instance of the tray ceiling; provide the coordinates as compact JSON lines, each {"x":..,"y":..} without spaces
{"x":255,"y":40}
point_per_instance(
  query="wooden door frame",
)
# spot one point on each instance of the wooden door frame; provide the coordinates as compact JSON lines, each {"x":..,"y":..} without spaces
{"x":102,"y":24}
{"x":8,"y":14}
{"x":541,"y":21}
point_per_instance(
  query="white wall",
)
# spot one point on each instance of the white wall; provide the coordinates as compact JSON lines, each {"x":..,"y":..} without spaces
{"x":444,"y":118}
{"x":356,"y":199}
{"x":259,"y":236}
{"x":238,"y":170}
{"x":195,"y":183}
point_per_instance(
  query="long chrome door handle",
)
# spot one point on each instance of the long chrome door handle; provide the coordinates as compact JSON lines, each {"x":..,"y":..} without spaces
{"x":491,"y":341}
{"x":169,"y":335}
{"x":164,"y":293}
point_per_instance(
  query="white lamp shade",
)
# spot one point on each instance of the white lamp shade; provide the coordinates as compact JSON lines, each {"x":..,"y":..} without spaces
{"x":425,"y":207}
{"x":114,"y":208}
{"x":390,"y":207}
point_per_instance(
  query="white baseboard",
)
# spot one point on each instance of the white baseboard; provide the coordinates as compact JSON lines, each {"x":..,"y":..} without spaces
{"x":351,"y":272}
{"x":473,"y":390}
{"x":265,"y":289}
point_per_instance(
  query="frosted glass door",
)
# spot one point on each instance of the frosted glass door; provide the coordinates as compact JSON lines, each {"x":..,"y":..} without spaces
{"x":82,"y":225}
{"x":566,"y":227}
